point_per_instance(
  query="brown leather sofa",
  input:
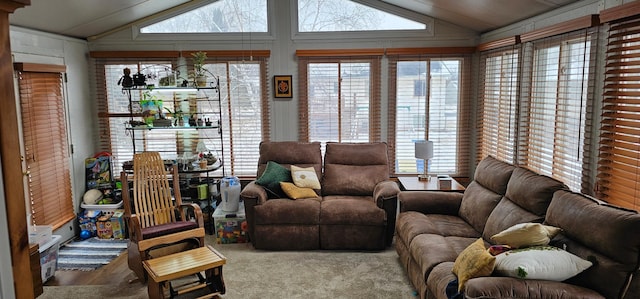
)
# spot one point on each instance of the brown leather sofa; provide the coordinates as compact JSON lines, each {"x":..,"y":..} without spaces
{"x":433,"y":228}
{"x":355,"y":208}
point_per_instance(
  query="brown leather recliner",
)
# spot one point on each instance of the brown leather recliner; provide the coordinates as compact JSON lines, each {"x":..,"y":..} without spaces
{"x":355,"y":208}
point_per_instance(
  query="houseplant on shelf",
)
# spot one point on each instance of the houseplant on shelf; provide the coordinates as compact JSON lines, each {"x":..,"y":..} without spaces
{"x":199,"y":72}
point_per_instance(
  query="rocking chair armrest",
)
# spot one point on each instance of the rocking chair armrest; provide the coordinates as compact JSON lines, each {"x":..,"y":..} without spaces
{"x":135,"y":229}
{"x":197,"y":211}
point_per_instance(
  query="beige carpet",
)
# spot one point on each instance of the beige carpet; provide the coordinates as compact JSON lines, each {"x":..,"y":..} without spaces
{"x":251,"y":273}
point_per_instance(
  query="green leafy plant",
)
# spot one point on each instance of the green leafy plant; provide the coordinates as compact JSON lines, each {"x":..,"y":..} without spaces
{"x":198,"y":59}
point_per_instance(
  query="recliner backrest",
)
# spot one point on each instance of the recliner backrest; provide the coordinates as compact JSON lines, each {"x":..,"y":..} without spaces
{"x":354,"y":168}
{"x":287,"y":153}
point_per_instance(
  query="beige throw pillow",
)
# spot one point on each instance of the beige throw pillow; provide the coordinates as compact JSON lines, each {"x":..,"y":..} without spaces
{"x":473,"y":261}
{"x":526,"y":234}
{"x":305,"y":177}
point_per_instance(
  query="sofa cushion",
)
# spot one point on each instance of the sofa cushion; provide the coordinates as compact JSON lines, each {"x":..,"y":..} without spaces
{"x":429,"y":250}
{"x":353,"y":210}
{"x":286,"y":211}
{"x":305,"y":177}
{"x":477,"y":204}
{"x":287,"y":153}
{"x":532,"y":191}
{"x":493,"y":174}
{"x":354,"y":168}
{"x":295,"y":192}
{"x":411,"y":224}
{"x":613,"y":235}
{"x":526,"y":234}
{"x":473,"y":261}
{"x":507,"y":214}
{"x":271,"y":178}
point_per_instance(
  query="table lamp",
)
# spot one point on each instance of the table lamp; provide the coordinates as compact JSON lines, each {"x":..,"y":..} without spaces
{"x":424,"y":150}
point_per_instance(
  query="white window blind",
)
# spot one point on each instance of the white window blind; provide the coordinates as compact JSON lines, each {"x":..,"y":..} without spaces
{"x":339,"y":98}
{"x":498,"y":103}
{"x":553,"y":126}
{"x":245,"y":117}
{"x":429,"y":98}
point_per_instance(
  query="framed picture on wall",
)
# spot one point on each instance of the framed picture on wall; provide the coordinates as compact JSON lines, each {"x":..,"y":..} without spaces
{"x":282,"y":86}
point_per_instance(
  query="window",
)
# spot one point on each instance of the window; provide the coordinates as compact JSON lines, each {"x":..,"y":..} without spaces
{"x":224,"y":16}
{"x":439,"y":113}
{"x":554,"y":135}
{"x":245,"y":118}
{"x":498,"y":106}
{"x":339,"y":98}
{"x":345,"y":15}
{"x":46,"y":148}
{"x":619,"y":163}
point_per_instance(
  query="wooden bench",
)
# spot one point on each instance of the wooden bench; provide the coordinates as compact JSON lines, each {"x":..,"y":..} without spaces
{"x":170,"y":267}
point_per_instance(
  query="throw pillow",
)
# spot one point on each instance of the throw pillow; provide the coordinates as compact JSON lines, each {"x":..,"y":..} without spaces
{"x":473,"y":261}
{"x":526,"y":234}
{"x":305,"y":177}
{"x":540,"y":262}
{"x":295,"y":192}
{"x":271,"y":178}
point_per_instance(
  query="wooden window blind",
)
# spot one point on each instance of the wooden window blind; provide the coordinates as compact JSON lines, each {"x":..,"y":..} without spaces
{"x":46,"y":148}
{"x":554,"y":127}
{"x":429,"y":99}
{"x":498,"y":106}
{"x":339,"y":96}
{"x":618,"y":179}
{"x":245,"y":108}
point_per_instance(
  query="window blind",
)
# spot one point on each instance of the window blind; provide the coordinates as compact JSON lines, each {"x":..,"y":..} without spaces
{"x":46,"y":148}
{"x":619,"y":160}
{"x":498,"y":106}
{"x":339,"y":96}
{"x":554,"y":122}
{"x":429,"y":97}
{"x":245,"y":108}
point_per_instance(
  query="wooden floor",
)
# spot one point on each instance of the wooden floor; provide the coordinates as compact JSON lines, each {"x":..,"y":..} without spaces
{"x":115,"y":272}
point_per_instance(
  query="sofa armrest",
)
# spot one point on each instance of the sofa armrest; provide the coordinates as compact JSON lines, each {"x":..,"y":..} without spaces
{"x":254,"y":194}
{"x":508,"y":287}
{"x":386,"y":190}
{"x":430,"y":202}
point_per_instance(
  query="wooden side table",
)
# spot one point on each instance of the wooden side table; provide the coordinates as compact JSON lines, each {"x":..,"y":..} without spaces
{"x":169,"y":267}
{"x":411,"y":183}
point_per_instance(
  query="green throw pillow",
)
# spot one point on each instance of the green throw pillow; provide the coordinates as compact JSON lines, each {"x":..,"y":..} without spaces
{"x":271,"y":178}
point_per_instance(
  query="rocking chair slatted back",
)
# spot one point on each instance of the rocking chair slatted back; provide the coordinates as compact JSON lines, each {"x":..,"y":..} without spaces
{"x":152,"y":198}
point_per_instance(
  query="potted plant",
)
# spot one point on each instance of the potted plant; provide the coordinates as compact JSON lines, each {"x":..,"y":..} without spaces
{"x":151,"y":106}
{"x":199,"y":72}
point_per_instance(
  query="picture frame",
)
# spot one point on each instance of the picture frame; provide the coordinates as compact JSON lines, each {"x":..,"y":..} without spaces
{"x":282,"y":86}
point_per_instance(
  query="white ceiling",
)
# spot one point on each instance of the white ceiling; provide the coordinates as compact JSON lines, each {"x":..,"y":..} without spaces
{"x":84,"y":18}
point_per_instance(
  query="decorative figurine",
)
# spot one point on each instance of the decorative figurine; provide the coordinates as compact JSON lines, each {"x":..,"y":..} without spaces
{"x":126,"y":79}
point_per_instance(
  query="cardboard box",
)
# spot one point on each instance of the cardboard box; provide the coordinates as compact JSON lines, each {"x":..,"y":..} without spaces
{"x":104,"y":227}
{"x":49,"y":257}
{"x":230,"y":227}
{"x":117,"y":224}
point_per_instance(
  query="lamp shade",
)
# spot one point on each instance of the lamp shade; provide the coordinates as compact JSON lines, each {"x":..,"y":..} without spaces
{"x":424,"y":149}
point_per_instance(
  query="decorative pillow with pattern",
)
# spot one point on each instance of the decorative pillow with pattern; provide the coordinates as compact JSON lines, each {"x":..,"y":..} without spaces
{"x":305,"y":177}
{"x":540,"y":262}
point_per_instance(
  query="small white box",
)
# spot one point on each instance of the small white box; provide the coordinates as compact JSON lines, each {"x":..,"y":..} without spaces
{"x":49,"y":257}
{"x":444,"y":182}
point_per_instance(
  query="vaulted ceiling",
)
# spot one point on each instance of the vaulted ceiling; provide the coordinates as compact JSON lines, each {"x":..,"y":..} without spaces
{"x":85,"y":18}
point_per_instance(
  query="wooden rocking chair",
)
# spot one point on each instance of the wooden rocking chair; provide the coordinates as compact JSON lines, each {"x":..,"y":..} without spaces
{"x":156,"y":220}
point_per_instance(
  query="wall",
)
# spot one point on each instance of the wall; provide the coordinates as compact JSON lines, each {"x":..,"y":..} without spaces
{"x":38,"y":47}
